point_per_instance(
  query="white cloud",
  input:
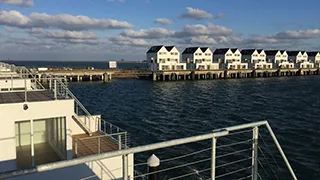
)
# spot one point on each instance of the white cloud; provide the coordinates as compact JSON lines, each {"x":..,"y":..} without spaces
{"x":61,"y":21}
{"x":21,"y":3}
{"x":300,"y":34}
{"x":163,"y":21}
{"x":204,"y":30}
{"x":122,"y":40}
{"x":153,"y":33}
{"x":61,"y":34}
{"x":198,"y":14}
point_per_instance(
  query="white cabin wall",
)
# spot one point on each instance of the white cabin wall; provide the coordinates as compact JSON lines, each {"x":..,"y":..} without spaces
{"x":11,"y":113}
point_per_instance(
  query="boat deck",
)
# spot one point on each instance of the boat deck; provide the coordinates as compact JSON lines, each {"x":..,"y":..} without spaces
{"x":32,"y":96}
{"x":89,"y":146}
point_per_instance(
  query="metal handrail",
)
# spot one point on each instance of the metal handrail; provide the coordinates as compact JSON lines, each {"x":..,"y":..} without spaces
{"x":125,"y":152}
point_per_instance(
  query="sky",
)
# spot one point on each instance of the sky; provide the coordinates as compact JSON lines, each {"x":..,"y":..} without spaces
{"x":93,"y":30}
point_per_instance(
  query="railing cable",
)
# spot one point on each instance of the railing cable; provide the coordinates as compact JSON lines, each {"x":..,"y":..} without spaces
{"x":175,"y":167}
{"x":233,"y":172}
{"x":233,"y":144}
{"x":265,"y":144}
{"x":189,"y":174}
{"x":265,"y":158}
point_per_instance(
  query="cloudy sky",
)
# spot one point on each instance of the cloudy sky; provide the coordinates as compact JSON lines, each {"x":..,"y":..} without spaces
{"x":125,"y":29}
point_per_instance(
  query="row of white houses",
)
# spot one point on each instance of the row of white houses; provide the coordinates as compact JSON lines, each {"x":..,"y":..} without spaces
{"x":202,"y":58}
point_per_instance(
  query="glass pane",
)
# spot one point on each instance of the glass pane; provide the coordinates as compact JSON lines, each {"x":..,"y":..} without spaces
{"x":23,"y":144}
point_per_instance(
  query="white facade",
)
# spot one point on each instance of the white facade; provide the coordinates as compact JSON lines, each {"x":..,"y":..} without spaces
{"x":315,"y":58}
{"x":231,"y":59}
{"x":199,"y":60}
{"x":162,"y":59}
{"x":257,"y":60}
{"x":301,"y":59}
{"x":280,"y":59}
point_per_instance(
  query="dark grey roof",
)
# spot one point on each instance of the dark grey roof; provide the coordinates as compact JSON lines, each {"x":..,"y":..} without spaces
{"x":203,"y":49}
{"x":247,"y":51}
{"x":312,"y":53}
{"x":234,"y":49}
{"x":293,"y":53}
{"x":282,"y":51}
{"x":154,"y":49}
{"x":221,"y":51}
{"x":259,"y":50}
{"x":271,"y":52}
{"x":169,"y":48}
{"x":190,"y":50}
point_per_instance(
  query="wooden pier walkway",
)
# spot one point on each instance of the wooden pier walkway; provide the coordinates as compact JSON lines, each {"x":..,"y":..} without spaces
{"x":106,"y":75}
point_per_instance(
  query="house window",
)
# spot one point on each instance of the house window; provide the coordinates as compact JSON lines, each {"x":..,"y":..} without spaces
{"x":261,"y":55}
{"x":176,"y":53}
{"x":229,"y":54}
{"x":278,"y":56}
{"x":172,"y":53}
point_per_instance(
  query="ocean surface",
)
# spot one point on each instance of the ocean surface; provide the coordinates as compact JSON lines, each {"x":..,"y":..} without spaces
{"x":79,"y":64}
{"x":159,"y":111}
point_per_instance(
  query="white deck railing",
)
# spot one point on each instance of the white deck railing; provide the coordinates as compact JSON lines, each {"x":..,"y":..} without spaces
{"x":216,"y":168}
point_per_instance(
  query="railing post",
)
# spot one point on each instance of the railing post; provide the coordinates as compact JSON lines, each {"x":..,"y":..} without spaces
{"x":50,"y":83}
{"x":76,"y":147}
{"x":99,"y":124}
{"x":104,"y":126}
{"x":55,"y":89}
{"x":11,"y":82}
{"x":125,"y":167}
{"x":255,"y":153}
{"x":125,"y":140}
{"x":119,"y":141}
{"x":213,"y":158}
{"x":98,"y":145}
{"x":25,"y":91}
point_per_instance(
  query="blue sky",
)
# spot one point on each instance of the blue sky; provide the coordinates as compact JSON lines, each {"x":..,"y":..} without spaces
{"x":125,"y":29}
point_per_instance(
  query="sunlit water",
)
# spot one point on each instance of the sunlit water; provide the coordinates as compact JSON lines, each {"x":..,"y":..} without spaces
{"x":154,"y":112}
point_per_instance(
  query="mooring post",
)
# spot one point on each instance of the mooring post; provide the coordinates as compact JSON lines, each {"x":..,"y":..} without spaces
{"x":153,"y":164}
{"x":213,"y":158}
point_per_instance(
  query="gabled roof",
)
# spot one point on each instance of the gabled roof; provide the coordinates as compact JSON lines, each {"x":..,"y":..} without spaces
{"x":271,"y":52}
{"x":293,"y":53}
{"x":247,"y":51}
{"x":282,"y":51}
{"x":312,"y":53}
{"x":221,"y":51}
{"x":234,"y":49}
{"x":259,"y":50}
{"x":169,"y":48}
{"x":204,"y":49}
{"x":154,"y":49}
{"x":190,"y":50}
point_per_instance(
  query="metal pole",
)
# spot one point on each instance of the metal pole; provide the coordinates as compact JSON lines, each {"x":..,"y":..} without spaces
{"x":104,"y":126}
{"x":98,"y":145}
{"x":119,"y":141}
{"x":76,"y":147}
{"x":11,"y":82}
{"x":213,"y":159}
{"x":50,"y":83}
{"x":125,"y":167}
{"x":281,"y":151}
{"x":255,"y":153}
{"x":25,"y":91}
{"x":32,"y":143}
{"x":55,"y":89}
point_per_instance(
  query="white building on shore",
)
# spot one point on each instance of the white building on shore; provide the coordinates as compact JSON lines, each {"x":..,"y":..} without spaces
{"x":164,"y":58}
{"x":231,"y":58}
{"x":257,"y":58}
{"x":198,"y":58}
{"x":300,"y":58}
{"x":314,"y":56}
{"x":279,"y":58}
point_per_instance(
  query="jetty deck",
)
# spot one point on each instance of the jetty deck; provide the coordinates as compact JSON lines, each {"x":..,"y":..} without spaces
{"x":170,"y":75}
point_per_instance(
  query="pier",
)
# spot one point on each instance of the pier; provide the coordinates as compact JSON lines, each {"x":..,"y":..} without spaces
{"x":229,"y":74}
{"x":107,"y":75}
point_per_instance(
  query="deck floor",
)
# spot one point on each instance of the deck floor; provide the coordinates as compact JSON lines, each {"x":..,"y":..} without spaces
{"x":90,"y":146}
{"x":43,"y":153}
{"x":32,"y":96}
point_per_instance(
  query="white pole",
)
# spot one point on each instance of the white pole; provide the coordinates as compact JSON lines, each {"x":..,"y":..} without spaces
{"x":213,"y":159}
{"x":255,"y":153}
